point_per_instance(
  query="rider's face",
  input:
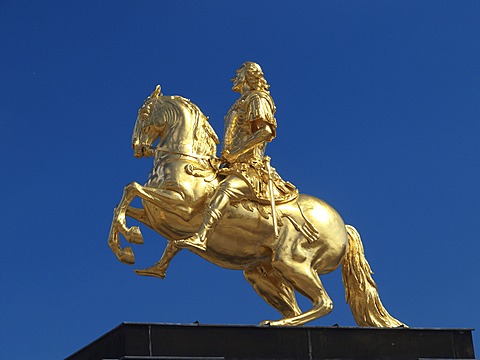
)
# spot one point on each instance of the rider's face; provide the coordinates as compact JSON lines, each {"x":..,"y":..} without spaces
{"x":239,"y":80}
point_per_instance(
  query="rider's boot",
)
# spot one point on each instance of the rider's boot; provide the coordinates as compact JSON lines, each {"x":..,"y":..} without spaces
{"x":212,"y":217}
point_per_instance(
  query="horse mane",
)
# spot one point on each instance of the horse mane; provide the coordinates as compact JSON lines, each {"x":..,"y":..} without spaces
{"x":205,"y":138}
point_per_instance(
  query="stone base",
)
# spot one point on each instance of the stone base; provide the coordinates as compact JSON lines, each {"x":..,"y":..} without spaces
{"x":175,"y":341}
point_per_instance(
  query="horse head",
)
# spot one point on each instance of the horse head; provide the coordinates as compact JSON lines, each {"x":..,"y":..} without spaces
{"x":148,"y":126}
{"x":179,"y":124}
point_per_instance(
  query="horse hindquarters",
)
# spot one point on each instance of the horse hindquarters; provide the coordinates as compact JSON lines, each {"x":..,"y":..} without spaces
{"x":312,"y":241}
{"x":360,"y":288}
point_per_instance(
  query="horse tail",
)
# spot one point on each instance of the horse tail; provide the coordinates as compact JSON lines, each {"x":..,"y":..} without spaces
{"x":360,"y":289}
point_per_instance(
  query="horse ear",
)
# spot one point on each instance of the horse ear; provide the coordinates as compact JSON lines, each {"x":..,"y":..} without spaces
{"x":156,"y":92}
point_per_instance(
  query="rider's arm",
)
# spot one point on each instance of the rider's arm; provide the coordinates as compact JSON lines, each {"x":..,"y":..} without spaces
{"x":261,"y":117}
{"x":263,"y":133}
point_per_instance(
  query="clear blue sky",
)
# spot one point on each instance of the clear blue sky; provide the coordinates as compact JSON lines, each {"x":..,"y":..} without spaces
{"x":378,"y":107}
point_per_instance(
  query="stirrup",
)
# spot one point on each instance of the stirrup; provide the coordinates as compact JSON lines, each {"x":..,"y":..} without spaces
{"x":191,"y":242}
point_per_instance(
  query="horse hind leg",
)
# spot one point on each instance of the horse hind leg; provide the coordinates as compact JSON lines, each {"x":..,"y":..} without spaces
{"x":278,"y":294}
{"x":306,"y":281}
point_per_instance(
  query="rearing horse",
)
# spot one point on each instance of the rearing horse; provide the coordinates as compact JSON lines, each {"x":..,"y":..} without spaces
{"x":312,"y":240}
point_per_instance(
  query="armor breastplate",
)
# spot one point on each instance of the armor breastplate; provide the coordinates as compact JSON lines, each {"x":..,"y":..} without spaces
{"x":256,"y":105}
{"x":238,"y":128}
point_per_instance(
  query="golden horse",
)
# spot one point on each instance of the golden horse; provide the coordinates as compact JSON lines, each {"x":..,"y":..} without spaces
{"x":312,"y":237}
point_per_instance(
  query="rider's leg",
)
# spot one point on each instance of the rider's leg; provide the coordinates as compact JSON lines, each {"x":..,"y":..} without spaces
{"x":231,"y":188}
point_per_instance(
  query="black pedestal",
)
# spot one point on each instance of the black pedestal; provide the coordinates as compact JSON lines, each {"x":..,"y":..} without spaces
{"x":173,"y":341}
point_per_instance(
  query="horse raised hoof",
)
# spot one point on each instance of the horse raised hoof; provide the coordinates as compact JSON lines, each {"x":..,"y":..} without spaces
{"x":126,"y":256}
{"x":134,"y":235}
{"x":151,"y":271}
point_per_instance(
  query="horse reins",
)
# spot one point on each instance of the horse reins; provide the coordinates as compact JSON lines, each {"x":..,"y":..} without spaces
{"x":199,"y":157}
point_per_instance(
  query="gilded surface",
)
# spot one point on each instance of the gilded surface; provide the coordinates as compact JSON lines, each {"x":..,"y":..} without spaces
{"x":236,"y":211}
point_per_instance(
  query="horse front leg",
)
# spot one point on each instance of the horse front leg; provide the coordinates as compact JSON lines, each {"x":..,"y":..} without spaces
{"x":119,"y":225}
{"x":159,"y":269}
{"x":133,"y":234}
{"x":125,"y":255}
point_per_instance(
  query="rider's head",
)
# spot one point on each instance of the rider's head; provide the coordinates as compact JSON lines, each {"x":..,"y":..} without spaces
{"x":250,"y":76}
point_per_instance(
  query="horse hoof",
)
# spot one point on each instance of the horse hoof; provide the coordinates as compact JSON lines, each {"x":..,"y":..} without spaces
{"x":126,"y":256}
{"x":147,"y":272}
{"x":134,"y":235}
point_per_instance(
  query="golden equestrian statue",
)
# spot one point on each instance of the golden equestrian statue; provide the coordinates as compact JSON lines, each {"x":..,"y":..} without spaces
{"x":236,"y":211}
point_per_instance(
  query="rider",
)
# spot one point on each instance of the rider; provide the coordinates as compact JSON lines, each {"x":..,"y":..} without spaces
{"x":249,"y":125}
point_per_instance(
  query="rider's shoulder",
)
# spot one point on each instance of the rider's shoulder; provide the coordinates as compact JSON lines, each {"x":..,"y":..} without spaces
{"x":260,"y":98}
{"x":258,"y":94}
